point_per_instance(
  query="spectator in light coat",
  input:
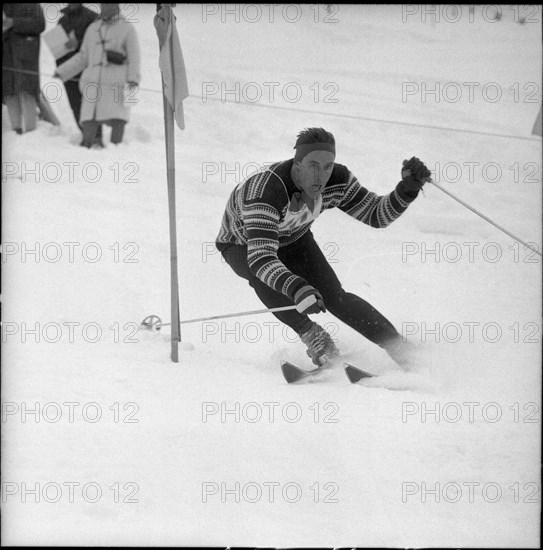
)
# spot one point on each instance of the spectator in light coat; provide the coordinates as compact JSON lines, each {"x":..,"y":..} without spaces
{"x":110,"y":60}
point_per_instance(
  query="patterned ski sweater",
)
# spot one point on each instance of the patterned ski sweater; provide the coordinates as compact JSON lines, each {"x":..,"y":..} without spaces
{"x":265,"y":213}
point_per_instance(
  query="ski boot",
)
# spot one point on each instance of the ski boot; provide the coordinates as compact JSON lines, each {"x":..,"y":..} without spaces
{"x":320,"y":346}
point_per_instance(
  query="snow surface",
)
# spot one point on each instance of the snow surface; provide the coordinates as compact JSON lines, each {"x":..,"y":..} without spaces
{"x":372,"y":443}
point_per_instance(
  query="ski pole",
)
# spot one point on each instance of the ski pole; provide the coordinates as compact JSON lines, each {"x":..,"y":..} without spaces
{"x":155,"y":321}
{"x":484,"y":217}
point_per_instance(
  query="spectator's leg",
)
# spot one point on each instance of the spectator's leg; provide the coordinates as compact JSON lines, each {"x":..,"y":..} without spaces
{"x":89,"y":127}
{"x":75,"y":98}
{"x":98,"y":139}
{"x":117,"y":131}
{"x":13,"y":104}
{"x":30,"y":111}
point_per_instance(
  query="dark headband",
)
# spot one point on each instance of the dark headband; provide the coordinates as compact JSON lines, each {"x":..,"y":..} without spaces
{"x":305,"y":148}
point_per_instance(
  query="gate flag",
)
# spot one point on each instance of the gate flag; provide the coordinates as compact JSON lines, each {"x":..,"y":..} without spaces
{"x":171,"y":62}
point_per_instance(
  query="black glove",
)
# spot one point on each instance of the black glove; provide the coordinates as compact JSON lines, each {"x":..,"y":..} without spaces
{"x":414,"y":174}
{"x":308,"y":300}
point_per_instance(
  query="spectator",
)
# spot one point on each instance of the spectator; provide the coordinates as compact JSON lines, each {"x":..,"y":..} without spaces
{"x":109,"y":58}
{"x":22,"y":25}
{"x":75,"y":20}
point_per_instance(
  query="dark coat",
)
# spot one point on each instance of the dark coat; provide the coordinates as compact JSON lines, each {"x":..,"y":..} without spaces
{"x":21,"y":49}
{"x":76,"y":20}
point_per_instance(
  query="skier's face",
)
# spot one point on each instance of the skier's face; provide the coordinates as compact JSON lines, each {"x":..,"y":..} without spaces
{"x":312,"y":173}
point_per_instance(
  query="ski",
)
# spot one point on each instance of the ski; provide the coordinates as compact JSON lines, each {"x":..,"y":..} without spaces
{"x":354,"y":374}
{"x":294,"y":374}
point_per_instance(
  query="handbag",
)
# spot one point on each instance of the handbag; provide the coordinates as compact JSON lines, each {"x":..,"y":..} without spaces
{"x":116,"y":58}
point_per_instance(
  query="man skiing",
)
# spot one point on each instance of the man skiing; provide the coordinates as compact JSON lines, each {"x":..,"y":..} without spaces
{"x":266,"y":238}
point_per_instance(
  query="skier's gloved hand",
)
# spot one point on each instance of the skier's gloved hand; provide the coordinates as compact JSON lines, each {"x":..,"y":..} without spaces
{"x":414,"y":174}
{"x":411,"y":184}
{"x":308,"y":300}
{"x":415,"y":168}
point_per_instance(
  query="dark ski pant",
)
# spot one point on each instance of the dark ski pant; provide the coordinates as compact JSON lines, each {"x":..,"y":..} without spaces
{"x":91,"y":127}
{"x":75,"y":98}
{"x":305,"y":258}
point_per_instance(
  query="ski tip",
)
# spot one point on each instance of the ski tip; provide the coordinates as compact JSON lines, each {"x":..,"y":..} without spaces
{"x":354,"y":374}
{"x":291,"y":372}
{"x":294,"y":374}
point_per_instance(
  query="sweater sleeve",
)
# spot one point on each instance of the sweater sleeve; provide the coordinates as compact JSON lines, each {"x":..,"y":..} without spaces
{"x":372,"y":209}
{"x":77,"y":62}
{"x":73,"y":66}
{"x":263,"y":201}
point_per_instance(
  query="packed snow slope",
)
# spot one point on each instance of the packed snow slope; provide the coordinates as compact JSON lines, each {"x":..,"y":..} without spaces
{"x":218,"y":449}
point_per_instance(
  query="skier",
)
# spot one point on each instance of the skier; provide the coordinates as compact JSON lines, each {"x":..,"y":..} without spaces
{"x":266,"y":238}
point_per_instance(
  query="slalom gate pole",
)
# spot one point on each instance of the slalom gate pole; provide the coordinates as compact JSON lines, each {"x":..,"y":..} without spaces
{"x":170,"y":171}
{"x":527,"y":245}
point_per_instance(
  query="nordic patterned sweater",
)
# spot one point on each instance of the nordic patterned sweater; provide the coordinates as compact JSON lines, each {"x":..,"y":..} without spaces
{"x":264,"y":213}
